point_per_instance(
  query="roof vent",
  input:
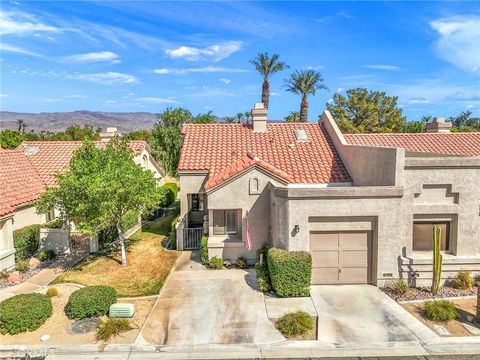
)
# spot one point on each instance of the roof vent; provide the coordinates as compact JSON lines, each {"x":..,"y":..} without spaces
{"x":30,"y":150}
{"x":301,"y":135}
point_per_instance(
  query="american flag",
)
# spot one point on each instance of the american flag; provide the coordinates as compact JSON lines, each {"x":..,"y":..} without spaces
{"x":249,"y":237}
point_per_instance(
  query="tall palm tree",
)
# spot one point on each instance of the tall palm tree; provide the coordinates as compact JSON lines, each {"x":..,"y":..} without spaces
{"x":20,"y":123}
{"x":239,"y":117}
{"x":267,"y":66}
{"x":304,"y":83}
{"x":229,"y":119}
{"x":294,"y":116}
{"x":248,"y":116}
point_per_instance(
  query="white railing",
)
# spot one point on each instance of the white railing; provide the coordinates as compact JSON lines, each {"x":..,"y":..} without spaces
{"x":191,"y":238}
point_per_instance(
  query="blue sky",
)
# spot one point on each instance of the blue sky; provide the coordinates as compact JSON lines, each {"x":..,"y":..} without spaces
{"x":145,"y":56}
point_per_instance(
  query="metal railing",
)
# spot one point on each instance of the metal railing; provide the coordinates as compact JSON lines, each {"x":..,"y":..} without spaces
{"x":191,"y":238}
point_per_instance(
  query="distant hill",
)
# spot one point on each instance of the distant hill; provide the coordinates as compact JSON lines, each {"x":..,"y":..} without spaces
{"x":59,"y":121}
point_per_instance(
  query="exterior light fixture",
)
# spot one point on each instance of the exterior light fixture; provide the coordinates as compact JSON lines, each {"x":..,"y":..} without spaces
{"x":296,"y":229}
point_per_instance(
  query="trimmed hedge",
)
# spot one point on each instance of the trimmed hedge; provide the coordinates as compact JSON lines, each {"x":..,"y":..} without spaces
{"x":174,"y":189}
{"x":26,"y":312}
{"x":90,"y":301}
{"x":204,"y":251}
{"x":290,"y":272}
{"x":263,"y":277}
{"x":26,"y":241}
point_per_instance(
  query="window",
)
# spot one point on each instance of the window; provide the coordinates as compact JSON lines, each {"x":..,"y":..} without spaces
{"x":50,"y":215}
{"x":225,"y":222}
{"x":197,"y":202}
{"x":423,"y":235}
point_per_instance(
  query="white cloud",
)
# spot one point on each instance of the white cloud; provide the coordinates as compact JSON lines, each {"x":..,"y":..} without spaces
{"x":225,"y":81}
{"x":384,"y":67}
{"x":106,"y":78}
{"x":459,"y":96}
{"x":157,"y":100}
{"x":18,"y":50}
{"x":274,"y":94}
{"x":94,"y":57}
{"x":74,"y":96}
{"x":52,"y":100}
{"x":330,"y":101}
{"x":216,"y":52}
{"x":110,"y":102}
{"x":3,"y":95}
{"x":458,"y":41}
{"x":420,"y":100}
{"x":317,"y":67}
{"x":21,"y":23}
{"x":204,"y":69}
{"x":469,"y":106}
{"x":340,"y":89}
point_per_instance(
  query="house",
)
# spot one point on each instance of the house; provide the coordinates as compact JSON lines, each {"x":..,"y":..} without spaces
{"x":363,"y":205}
{"x":29,"y":170}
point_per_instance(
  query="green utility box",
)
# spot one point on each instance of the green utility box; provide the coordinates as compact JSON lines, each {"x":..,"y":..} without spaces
{"x":120,"y":310}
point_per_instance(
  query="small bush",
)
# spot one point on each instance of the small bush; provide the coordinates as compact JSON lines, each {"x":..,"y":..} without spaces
{"x":46,"y":255}
{"x":174,"y":189}
{"x":54,"y":224}
{"x":112,"y":327}
{"x":52,"y":292}
{"x":463,"y":280}
{"x":290,"y":272}
{"x":26,"y":312}
{"x":26,"y":241}
{"x":400,"y":286}
{"x":440,"y":310}
{"x":263,"y":250}
{"x":241,"y":263}
{"x":174,"y":210}
{"x":204,"y":250}
{"x":216,"y":263}
{"x":22,"y":266}
{"x":4,"y":274}
{"x":90,"y":301}
{"x":263,"y":278}
{"x":295,"y":324}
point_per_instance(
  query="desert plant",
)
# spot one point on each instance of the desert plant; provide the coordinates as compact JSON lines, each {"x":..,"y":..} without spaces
{"x":241,"y":263}
{"x":215,"y":263}
{"x":290,"y":272}
{"x":112,"y":327}
{"x":440,"y":310}
{"x":90,"y":301}
{"x":437,"y":259}
{"x":262,"y":277}
{"x":26,"y":312}
{"x":463,"y":280}
{"x":295,"y":324}
{"x":22,"y":266}
{"x":52,"y":292}
{"x":400,"y":286}
{"x":204,"y":250}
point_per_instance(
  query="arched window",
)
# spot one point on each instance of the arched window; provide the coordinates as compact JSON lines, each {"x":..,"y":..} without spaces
{"x":145,"y":160}
{"x":254,"y":185}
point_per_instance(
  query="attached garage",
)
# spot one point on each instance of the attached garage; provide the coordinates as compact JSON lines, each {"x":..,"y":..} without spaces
{"x":341,"y":257}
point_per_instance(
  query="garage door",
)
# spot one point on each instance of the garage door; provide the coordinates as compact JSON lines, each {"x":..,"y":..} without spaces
{"x":340,"y":257}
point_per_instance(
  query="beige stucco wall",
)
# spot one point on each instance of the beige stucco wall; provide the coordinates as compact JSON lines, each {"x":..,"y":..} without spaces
{"x":145,"y":160}
{"x":27,"y":215}
{"x":7,"y":251}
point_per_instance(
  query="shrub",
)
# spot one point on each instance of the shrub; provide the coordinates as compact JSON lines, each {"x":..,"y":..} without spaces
{"x":52,"y":292}
{"x":54,"y":224}
{"x":26,"y":241}
{"x":174,"y":210}
{"x":216,"y":263}
{"x":90,"y":301}
{"x":204,"y":250}
{"x":440,"y":310}
{"x":172,"y":243}
{"x":112,"y":327}
{"x":400,"y":286}
{"x":26,"y":312}
{"x":4,"y":274}
{"x":262,"y":277}
{"x":241,"y":263}
{"x":174,"y":189}
{"x":263,"y":250}
{"x":46,"y":255}
{"x":463,"y":280}
{"x":107,"y":236}
{"x":167,"y":196}
{"x":22,"y":266}
{"x":290,"y":272}
{"x":295,"y":324}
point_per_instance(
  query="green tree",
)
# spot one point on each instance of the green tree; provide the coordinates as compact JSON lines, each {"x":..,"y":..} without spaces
{"x":77,"y":133}
{"x":10,"y":139}
{"x":229,"y":119}
{"x":464,"y":122}
{"x":99,"y":187}
{"x":248,"y":116}
{"x":138,"y":135}
{"x":207,"y":118}
{"x":294,"y":116}
{"x":266,"y":66}
{"x":364,"y":111}
{"x":167,"y":138}
{"x":304,"y":83}
{"x":239,"y":117}
{"x":417,"y":126}
{"x":20,"y":124}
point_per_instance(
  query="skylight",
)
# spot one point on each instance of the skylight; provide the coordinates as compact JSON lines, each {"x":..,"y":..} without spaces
{"x":301,"y":135}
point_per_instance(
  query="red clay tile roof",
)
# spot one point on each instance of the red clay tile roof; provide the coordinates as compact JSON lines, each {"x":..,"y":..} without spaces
{"x":19,"y":182}
{"x":222,"y":150}
{"x":464,"y":144}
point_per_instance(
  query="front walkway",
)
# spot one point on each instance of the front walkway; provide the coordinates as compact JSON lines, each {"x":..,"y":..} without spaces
{"x":199,"y":306}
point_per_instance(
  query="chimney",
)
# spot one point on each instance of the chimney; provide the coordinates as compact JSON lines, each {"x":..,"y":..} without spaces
{"x":109,"y":134}
{"x":259,"y":118}
{"x":438,"y":125}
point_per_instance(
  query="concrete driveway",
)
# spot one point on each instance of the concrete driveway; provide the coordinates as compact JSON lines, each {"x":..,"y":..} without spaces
{"x":199,"y":306}
{"x":359,"y":314}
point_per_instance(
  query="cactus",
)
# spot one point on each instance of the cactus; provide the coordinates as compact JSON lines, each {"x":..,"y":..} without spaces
{"x":437,"y":259}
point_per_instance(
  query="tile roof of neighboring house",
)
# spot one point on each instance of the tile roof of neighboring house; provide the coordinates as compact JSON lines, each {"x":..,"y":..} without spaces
{"x":223,"y":150}
{"x":464,"y":144}
{"x":19,"y":182}
{"x":23,"y":177}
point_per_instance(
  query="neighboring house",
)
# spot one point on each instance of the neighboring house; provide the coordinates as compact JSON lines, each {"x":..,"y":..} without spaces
{"x":363,"y":205}
{"x":28,"y":170}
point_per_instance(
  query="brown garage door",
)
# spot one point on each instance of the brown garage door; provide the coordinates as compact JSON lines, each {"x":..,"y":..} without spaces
{"x":340,"y":257}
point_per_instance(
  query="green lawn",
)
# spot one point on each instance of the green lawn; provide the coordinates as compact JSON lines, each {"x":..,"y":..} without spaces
{"x":148,"y":264}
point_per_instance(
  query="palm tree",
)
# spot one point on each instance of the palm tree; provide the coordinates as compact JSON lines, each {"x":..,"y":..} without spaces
{"x":266,"y":66}
{"x":304,"y":83}
{"x":229,"y":119}
{"x":20,"y":123}
{"x":248,"y":116}
{"x":426,"y":118}
{"x":239,"y":117}
{"x":294,"y":116}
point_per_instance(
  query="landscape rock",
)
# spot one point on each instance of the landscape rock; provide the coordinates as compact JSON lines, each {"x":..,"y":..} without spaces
{"x":14,"y":277}
{"x":34,"y":263}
